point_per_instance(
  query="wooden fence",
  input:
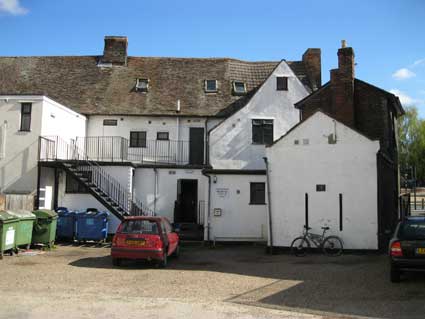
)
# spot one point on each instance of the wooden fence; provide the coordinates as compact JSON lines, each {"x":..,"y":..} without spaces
{"x":16,"y":202}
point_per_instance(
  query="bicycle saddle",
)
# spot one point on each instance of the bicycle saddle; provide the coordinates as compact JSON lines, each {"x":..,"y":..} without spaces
{"x":307,"y":227}
{"x":325,"y":228}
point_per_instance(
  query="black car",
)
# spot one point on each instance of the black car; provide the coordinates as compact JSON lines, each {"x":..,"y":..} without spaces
{"x":407,"y":247}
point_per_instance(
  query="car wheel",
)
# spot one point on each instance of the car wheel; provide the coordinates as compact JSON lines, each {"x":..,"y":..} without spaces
{"x":164,"y":261}
{"x":395,"y":274}
{"x":116,"y":262}
{"x":176,"y":253}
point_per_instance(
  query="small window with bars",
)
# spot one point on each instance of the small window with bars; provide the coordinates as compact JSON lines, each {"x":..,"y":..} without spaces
{"x":110,"y":122}
{"x":162,"y":136}
{"x":26,"y":109}
{"x":262,"y":132}
{"x":138,"y":139}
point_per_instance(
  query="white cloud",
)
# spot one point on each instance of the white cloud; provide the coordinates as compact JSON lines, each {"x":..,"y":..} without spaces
{"x":403,"y":74}
{"x":419,"y":62}
{"x":12,"y":7}
{"x":405,"y":99}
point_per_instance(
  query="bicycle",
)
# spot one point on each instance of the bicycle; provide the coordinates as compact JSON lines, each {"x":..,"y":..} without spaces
{"x":330,"y":245}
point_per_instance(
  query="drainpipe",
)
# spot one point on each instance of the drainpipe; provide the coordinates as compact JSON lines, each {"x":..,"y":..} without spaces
{"x":178,"y":130}
{"x":207,"y":148}
{"x":209,"y":205}
{"x":155,"y":190}
{"x":269,"y":206}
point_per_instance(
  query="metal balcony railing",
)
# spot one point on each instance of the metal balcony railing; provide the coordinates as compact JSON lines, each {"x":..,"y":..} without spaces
{"x":118,"y":149}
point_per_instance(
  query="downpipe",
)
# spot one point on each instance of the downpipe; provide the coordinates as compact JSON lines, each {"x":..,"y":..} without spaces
{"x":269,"y":206}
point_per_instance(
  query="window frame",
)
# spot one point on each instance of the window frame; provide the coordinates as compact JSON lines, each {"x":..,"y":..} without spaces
{"x":264,"y":140}
{"x":140,"y":89}
{"x":163,"y":139}
{"x":253,"y":193}
{"x":235,"y":91}
{"x":206,"y":86}
{"x":25,"y":114}
{"x":142,"y":140}
{"x":282,"y":86}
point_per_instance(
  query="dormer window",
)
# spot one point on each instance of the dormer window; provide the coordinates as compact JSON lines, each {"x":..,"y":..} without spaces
{"x":282,"y":83}
{"x":239,"y":87}
{"x":210,"y":86}
{"x":142,"y":85}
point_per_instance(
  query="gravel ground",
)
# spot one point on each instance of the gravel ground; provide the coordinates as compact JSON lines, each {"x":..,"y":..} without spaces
{"x":225,"y":282}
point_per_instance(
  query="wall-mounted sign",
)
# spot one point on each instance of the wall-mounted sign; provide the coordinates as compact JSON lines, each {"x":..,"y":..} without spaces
{"x":217,"y":211}
{"x":222,"y":192}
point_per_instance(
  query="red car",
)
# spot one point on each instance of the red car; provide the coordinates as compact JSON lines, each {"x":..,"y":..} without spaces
{"x":141,"y":237}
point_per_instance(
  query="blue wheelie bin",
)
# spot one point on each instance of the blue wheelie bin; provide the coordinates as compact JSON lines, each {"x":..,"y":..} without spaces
{"x":66,"y":224}
{"x":91,"y":226}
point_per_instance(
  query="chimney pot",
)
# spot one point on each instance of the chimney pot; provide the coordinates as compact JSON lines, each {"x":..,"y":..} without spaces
{"x":343,"y":44}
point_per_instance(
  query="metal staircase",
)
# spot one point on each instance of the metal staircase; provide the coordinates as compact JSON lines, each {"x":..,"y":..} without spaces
{"x":101,"y":185}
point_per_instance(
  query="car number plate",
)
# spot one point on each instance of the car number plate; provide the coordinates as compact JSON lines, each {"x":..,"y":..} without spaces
{"x":135,"y":242}
{"x":420,"y":251}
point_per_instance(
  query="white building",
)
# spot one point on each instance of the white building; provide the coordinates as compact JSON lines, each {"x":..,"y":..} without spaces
{"x":183,"y":138}
{"x":323,"y":173}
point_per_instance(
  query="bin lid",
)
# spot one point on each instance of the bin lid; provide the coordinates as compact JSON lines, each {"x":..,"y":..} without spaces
{"x":6,"y":217}
{"x":93,"y":214}
{"x":45,"y":214}
{"x":22,"y":214}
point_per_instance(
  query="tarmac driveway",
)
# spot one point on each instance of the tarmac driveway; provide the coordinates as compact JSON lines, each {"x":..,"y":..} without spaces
{"x":225,"y":282}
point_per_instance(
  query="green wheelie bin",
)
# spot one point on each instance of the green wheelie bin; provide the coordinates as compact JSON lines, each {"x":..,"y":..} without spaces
{"x":45,"y":227}
{"x":8,"y":228}
{"x":25,"y":228}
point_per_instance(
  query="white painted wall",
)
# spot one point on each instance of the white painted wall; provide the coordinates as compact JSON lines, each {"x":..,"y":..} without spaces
{"x":347,"y":167}
{"x":166,"y":188}
{"x":18,"y":165}
{"x":231,"y":141}
{"x":239,"y":221}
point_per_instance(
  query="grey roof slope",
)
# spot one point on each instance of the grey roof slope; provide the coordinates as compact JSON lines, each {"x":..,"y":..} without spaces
{"x":79,"y":83}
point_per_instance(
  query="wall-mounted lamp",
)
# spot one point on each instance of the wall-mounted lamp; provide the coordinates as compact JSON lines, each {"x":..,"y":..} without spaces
{"x":214,"y":179}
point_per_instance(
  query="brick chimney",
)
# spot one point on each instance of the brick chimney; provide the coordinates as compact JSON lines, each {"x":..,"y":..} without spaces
{"x":313,"y":64}
{"x":115,"y":50}
{"x":342,"y":86}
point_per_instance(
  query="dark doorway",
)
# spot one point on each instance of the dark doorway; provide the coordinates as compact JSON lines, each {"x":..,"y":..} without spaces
{"x":187,"y":201}
{"x":196,"y":145}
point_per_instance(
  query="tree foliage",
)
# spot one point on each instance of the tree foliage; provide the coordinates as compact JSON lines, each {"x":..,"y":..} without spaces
{"x":411,"y":134}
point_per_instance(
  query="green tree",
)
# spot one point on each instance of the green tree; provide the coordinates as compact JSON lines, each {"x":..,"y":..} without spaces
{"x":411,"y":134}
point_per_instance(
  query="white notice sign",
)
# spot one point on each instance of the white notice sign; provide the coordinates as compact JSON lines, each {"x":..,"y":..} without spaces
{"x":10,"y":236}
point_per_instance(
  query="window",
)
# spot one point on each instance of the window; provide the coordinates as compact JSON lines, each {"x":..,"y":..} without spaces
{"x":239,"y":87}
{"x":162,"y":136}
{"x":282,"y":83}
{"x":210,"y":86}
{"x":262,"y":132}
{"x":73,"y":186}
{"x":258,"y":194}
{"x":110,"y":122}
{"x":138,"y":139}
{"x":139,"y":226}
{"x":142,"y":85}
{"x":26,"y":116}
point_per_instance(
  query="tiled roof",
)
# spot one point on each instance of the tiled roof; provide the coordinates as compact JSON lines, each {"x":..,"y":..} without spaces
{"x":79,"y":83}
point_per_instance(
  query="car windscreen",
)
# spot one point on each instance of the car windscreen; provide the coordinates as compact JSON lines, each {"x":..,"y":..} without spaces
{"x":412,"y":230}
{"x":140,"y":227}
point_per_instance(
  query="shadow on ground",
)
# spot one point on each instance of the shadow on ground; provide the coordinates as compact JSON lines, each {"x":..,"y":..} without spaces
{"x":348,"y":285}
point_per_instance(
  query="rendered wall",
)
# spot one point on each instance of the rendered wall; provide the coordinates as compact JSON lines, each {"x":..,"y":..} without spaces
{"x":239,"y":220}
{"x":231,"y":141}
{"x":348,"y":167}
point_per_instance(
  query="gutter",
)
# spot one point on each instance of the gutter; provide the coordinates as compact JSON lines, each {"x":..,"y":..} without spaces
{"x":269,"y":206}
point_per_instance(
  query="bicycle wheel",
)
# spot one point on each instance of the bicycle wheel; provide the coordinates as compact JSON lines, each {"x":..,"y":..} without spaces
{"x":332,"y":246}
{"x":300,"y":246}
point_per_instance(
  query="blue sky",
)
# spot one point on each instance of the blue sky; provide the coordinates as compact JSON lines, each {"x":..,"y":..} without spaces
{"x":387,"y":36}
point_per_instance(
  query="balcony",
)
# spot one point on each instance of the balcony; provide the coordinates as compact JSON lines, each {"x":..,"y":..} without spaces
{"x":117,"y":149}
